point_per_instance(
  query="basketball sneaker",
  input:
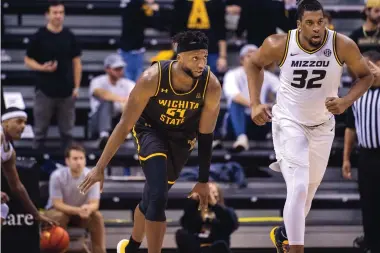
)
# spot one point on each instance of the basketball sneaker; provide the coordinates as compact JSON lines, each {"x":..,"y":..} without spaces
{"x":279,"y":240}
{"x":121,"y":246}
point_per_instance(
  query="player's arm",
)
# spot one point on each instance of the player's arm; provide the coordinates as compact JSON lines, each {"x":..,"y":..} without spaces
{"x":348,"y":53}
{"x":207,"y":124}
{"x":16,"y":186}
{"x":144,"y":89}
{"x":272,"y":50}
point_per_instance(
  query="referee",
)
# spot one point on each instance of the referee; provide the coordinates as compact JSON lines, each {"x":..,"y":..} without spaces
{"x":363,"y":121}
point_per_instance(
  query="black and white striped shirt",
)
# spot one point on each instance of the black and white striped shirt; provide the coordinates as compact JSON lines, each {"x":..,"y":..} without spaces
{"x":364,"y":116}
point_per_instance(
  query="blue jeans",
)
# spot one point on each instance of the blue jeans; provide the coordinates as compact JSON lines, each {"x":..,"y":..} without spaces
{"x":238,"y":118}
{"x":135,"y":64}
{"x":241,"y":123}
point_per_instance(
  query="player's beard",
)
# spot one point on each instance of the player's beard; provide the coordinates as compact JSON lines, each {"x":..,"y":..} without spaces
{"x":188,"y":72}
{"x":315,"y":44}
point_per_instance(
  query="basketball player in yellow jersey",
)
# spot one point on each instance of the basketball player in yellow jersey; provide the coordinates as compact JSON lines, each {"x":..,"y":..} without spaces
{"x":173,"y":104}
{"x":310,"y":58}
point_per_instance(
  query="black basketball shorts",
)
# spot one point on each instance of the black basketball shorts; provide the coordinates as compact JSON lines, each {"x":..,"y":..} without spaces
{"x":150,"y":143}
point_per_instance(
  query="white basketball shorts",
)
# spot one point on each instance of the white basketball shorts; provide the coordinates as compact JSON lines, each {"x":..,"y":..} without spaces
{"x":302,"y":146}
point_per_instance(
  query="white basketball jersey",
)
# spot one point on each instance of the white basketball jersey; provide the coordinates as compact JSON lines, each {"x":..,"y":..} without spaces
{"x":307,"y":79}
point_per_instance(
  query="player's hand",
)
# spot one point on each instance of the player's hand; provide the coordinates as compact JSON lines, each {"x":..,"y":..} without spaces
{"x":203,"y":191}
{"x":346,"y":170}
{"x":94,"y":176}
{"x":4,"y":197}
{"x":44,"y":219}
{"x":261,"y":114}
{"x":212,"y":200}
{"x":375,"y":70}
{"x":336,"y":105}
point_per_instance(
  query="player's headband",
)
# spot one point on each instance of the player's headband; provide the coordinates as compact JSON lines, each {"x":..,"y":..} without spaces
{"x":184,"y":47}
{"x":12,"y":113}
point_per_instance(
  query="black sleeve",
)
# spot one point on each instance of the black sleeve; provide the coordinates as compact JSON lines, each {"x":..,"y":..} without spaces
{"x":33,"y":50}
{"x":226,"y":219}
{"x":350,"y":119}
{"x":220,"y":22}
{"x":75,"y":47}
{"x":191,"y":219}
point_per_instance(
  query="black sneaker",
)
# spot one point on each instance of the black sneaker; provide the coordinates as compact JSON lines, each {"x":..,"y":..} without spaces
{"x":281,"y":244}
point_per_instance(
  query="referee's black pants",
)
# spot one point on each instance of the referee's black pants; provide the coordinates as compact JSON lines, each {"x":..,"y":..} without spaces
{"x":369,"y":189}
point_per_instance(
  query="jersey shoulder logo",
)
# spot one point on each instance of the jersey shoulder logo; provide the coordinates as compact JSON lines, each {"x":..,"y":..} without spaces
{"x":327,"y":52}
{"x":198,"y":95}
{"x":164,"y":90}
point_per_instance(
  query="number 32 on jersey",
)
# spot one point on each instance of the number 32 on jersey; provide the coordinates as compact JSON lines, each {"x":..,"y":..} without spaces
{"x":308,"y":78}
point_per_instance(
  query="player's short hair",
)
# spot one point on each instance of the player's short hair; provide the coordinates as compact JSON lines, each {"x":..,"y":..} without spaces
{"x":190,"y":40}
{"x":307,"y":5}
{"x":74,"y":146}
{"x":52,"y":3}
{"x":372,"y":55}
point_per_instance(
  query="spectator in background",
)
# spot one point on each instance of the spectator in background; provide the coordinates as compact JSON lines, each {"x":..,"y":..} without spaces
{"x":270,"y":14}
{"x":207,"y":231}
{"x":328,"y":20}
{"x":207,"y":17}
{"x":235,"y":87}
{"x":367,"y":37}
{"x":108,"y":94}
{"x":54,"y":54}
{"x":67,"y":205}
{"x":363,"y":123}
{"x":136,"y":16}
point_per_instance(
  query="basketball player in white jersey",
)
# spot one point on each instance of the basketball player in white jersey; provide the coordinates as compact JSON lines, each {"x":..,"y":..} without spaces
{"x":12,"y":125}
{"x":311,"y":59}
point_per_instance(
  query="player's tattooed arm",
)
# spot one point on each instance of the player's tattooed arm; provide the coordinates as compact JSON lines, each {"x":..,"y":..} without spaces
{"x":144,"y":89}
{"x":272,"y":50}
{"x":211,"y":107}
{"x":349,"y":53}
{"x":207,"y":124}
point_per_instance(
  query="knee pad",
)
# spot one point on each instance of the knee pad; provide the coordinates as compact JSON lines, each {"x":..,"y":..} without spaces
{"x":156,"y":205}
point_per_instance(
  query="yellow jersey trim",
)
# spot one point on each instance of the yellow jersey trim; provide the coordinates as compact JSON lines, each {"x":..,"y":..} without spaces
{"x":137,"y":140}
{"x":315,"y":50}
{"x":206,"y":84}
{"x":159,"y":78}
{"x":171,"y":86}
{"x":171,"y":182}
{"x":286,"y":50}
{"x":335,"y":52}
{"x":152,"y":155}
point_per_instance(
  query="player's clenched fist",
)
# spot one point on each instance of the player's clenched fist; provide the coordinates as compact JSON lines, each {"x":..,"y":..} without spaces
{"x":261,"y":114}
{"x":336,"y":105}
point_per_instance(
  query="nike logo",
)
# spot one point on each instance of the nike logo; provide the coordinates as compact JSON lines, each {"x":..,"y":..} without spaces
{"x":292,"y":54}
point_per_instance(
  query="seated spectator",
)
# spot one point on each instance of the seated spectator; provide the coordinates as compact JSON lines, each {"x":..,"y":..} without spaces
{"x":67,"y":205}
{"x":108,"y":94}
{"x":235,"y":87}
{"x":207,"y":231}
